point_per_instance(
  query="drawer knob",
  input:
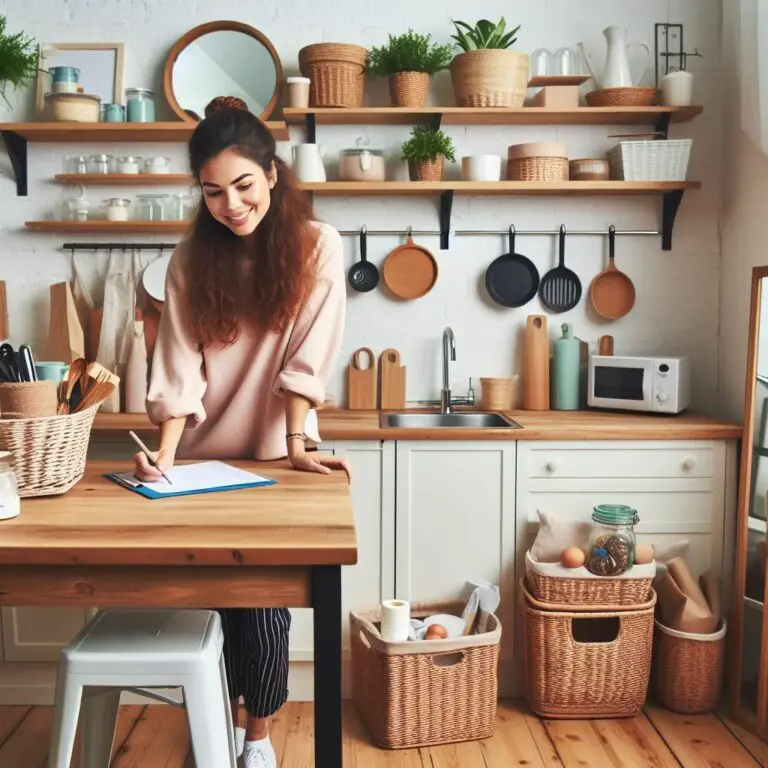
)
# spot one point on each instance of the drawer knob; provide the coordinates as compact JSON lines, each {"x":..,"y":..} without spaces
{"x":552,"y":465}
{"x":689,"y":464}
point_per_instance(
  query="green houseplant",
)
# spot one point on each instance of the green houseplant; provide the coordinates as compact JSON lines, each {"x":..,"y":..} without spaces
{"x":408,"y":61}
{"x":18,"y":59}
{"x":426,"y":151}
{"x":486,"y":73}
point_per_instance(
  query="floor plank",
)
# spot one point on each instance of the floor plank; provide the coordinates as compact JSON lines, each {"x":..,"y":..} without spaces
{"x":160,"y":740}
{"x":700,"y":741}
{"x":27,"y":746}
{"x":513,"y":744}
{"x":299,"y":742}
{"x":758,"y":749}
{"x":456,"y":755}
{"x":10,"y":717}
{"x":361,"y":752}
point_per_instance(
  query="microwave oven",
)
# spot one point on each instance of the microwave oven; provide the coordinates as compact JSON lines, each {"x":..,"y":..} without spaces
{"x":650,"y":384}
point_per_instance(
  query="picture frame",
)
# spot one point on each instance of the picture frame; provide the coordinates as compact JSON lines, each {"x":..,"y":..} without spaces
{"x":100,"y":65}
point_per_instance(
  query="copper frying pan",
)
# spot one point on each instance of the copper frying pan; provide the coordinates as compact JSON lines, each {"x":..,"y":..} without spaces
{"x":410,"y":270}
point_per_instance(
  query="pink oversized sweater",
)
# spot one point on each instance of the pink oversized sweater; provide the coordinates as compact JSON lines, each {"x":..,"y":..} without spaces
{"x":233,"y":396}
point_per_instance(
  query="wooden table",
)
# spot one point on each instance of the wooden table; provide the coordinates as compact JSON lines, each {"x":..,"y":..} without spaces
{"x":276,"y":546}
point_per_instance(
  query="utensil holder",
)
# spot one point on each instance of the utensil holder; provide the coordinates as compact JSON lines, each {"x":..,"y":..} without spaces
{"x":498,"y":394}
{"x":28,"y":399}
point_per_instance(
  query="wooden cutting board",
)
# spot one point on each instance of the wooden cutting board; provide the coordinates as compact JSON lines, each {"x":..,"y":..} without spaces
{"x":391,"y":380}
{"x":536,"y":364}
{"x":606,"y":346}
{"x":3,"y":312}
{"x":361,"y":382}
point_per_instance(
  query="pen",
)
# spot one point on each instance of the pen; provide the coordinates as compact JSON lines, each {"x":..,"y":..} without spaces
{"x":147,"y":453}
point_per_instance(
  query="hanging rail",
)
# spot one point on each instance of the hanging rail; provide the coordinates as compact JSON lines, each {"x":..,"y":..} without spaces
{"x":119,"y":246}
{"x":500,"y":232}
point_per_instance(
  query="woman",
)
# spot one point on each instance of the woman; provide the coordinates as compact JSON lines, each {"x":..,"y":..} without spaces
{"x":250,"y":332}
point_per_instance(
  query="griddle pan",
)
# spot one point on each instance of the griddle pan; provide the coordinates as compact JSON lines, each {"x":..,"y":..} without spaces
{"x":560,"y":288}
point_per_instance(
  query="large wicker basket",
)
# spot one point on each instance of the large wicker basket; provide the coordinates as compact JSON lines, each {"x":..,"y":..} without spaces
{"x":688,"y":669}
{"x":48,"y":453}
{"x":587,"y":665}
{"x":336,"y":72}
{"x":427,"y":692}
{"x":650,"y":160}
{"x":490,"y":78}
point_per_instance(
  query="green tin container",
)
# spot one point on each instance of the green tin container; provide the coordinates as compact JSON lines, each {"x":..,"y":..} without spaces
{"x":566,"y":370}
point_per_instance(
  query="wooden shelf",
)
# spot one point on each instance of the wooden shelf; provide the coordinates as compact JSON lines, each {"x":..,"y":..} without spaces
{"x":125,"y":179}
{"x":121,"y":422}
{"x":115,"y":227}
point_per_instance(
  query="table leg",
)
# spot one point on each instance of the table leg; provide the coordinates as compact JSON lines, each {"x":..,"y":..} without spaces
{"x":326,"y":602}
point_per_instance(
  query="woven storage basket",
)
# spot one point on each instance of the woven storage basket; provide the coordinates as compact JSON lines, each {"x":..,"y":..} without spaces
{"x":427,"y":692}
{"x":48,"y":454}
{"x":622,"y":97}
{"x":603,"y":673}
{"x":688,"y":669}
{"x":650,"y":160}
{"x":490,"y":78}
{"x":426,"y":170}
{"x":538,"y":169}
{"x":336,"y":72}
{"x":28,"y":399}
{"x":586,"y":591}
{"x":589,"y":169}
{"x":409,"y":89}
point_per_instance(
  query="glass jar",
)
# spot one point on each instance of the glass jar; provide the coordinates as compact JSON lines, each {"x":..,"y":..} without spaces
{"x":128,"y":164}
{"x":362,"y":165}
{"x":112,"y":113}
{"x":75,"y":164}
{"x":152,"y":207}
{"x":99,"y":163}
{"x":140,"y":105}
{"x":181,"y":207}
{"x":542,"y":63}
{"x":157,"y":165}
{"x":116,"y":208}
{"x":612,"y":541}
{"x":10,"y":503}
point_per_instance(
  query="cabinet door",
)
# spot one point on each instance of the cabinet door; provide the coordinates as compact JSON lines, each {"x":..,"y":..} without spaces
{"x":455,"y":522}
{"x":38,"y":634}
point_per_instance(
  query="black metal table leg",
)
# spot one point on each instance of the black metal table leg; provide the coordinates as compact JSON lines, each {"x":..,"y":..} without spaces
{"x":326,"y":602}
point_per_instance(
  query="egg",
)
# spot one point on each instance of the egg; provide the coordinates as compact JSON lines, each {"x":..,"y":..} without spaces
{"x":644,"y":554}
{"x":573,"y":557}
{"x":435,"y":632}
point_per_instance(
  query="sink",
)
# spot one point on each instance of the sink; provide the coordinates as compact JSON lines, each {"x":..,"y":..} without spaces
{"x":448,"y":420}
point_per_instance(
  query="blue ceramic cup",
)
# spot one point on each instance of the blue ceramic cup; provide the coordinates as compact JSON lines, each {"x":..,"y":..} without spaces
{"x":51,"y":371}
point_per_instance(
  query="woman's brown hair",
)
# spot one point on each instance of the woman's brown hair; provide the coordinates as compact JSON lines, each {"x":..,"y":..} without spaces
{"x":282,"y":247}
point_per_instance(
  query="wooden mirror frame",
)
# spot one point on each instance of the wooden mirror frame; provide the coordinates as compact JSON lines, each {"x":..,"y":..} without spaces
{"x":757,"y":727}
{"x":220,"y":26}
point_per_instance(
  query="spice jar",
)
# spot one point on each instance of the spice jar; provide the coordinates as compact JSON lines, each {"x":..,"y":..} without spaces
{"x":140,"y":105}
{"x":10,"y":503}
{"x":612,"y":541}
{"x":116,"y":208}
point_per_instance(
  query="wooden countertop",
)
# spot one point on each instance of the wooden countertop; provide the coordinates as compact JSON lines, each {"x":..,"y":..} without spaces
{"x":304,"y":519}
{"x":341,"y":424}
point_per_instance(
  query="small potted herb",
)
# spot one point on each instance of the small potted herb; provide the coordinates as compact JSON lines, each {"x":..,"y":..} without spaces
{"x":486,"y":73}
{"x":18,"y":60}
{"x":426,"y":152}
{"x":408,"y":61}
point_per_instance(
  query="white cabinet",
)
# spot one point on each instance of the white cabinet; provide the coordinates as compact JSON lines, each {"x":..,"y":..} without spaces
{"x":38,"y":634}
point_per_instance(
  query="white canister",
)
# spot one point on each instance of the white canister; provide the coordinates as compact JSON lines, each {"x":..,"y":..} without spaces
{"x":117,"y":209}
{"x":128,"y":164}
{"x":677,"y":89}
{"x":362,"y":165}
{"x":157,"y":165}
{"x":481,"y":168}
{"x":298,"y":92}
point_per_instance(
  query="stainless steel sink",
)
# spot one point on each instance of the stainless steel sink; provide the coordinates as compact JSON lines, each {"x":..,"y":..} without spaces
{"x":450,"y":420}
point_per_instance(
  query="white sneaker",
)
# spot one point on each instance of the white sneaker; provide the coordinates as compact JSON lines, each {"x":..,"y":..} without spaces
{"x":259,"y":754}
{"x":239,"y":741}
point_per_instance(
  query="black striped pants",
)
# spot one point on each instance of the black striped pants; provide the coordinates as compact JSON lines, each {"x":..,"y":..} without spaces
{"x":256,"y":656}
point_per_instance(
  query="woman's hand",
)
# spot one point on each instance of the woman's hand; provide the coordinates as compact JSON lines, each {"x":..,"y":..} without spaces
{"x":145,"y":472}
{"x":318,"y":462}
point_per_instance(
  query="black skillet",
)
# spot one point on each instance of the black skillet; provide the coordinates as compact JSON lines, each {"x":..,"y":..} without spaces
{"x":363,"y":276}
{"x":560,"y":288}
{"x":512,"y":279}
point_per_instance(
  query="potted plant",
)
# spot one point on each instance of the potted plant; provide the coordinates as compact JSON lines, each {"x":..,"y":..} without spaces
{"x":18,"y":60}
{"x":408,"y":61}
{"x":486,"y":73}
{"x":426,"y":152}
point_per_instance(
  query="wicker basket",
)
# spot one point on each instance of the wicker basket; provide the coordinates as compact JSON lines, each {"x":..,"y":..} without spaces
{"x":499,"y":394}
{"x":587,"y":591}
{"x":409,"y":89}
{"x":538,"y":169}
{"x":688,"y":669}
{"x":28,"y":399}
{"x":336,"y":72}
{"x":622,"y":97}
{"x":589,"y":169}
{"x":650,"y":160}
{"x":426,"y":170}
{"x":48,"y":454}
{"x":587,"y":665}
{"x":490,"y":78}
{"x":428,"y":692}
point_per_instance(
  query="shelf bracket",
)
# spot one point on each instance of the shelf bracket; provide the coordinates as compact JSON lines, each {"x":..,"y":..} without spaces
{"x":662,"y":124}
{"x":311,"y":128}
{"x":446,"y":204}
{"x":669,"y":207}
{"x":434,"y":120}
{"x":17,"y":152}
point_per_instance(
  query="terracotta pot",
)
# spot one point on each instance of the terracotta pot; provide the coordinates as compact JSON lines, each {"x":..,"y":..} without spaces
{"x":409,"y":89}
{"x":490,"y":78}
{"x":427,"y":170}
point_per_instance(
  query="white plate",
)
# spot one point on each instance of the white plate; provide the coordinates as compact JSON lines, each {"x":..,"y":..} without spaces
{"x":153,"y":278}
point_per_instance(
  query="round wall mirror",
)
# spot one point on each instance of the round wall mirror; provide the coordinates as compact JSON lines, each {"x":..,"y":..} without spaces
{"x":223,"y":58}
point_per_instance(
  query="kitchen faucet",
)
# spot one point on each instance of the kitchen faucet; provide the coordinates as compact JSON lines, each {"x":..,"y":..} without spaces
{"x":449,"y":342}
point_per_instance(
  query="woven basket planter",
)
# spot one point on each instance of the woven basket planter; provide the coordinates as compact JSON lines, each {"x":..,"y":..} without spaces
{"x":336,"y":72}
{"x":490,"y":78}
{"x":409,"y":89}
{"x":426,"y":170}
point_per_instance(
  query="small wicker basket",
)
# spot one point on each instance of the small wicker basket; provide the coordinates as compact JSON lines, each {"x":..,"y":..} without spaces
{"x":589,"y":169}
{"x":428,"y":692}
{"x":688,"y":669}
{"x":622,"y":97}
{"x":336,"y":72}
{"x":538,"y":169}
{"x":587,"y":665}
{"x":409,"y":89}
{"x":427,"y":170}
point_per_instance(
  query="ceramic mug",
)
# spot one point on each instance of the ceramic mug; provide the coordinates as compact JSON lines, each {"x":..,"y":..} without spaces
{"x":677,"y":89}
{"x":51,"y":370}
{"x":481,"y":168}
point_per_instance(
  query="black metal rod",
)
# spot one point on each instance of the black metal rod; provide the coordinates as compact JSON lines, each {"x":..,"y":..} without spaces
{"x":118,"y":246}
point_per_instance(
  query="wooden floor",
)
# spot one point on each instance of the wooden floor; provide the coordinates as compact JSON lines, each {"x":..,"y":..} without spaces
{"x":157,"y":737}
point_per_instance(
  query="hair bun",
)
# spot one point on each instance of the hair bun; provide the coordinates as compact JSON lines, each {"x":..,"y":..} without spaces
{"x":225,"y":102}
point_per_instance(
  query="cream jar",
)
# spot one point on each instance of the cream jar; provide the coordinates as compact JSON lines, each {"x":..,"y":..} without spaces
{"x":117,"y":208}
{"x":362,"y":165}
{"x":128,"y":164}
{"x":157,"y":165}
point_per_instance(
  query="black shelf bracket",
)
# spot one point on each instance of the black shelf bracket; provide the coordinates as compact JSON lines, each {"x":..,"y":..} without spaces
{"x":662,"y":124}
{"x":311,"y":128}
{"x":446,"y":204}
{"x":669,"y":207}
{"x":17,"y":152}
{"x":434,"y":121}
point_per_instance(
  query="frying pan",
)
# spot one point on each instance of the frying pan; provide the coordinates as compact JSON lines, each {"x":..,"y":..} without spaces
{"x":512,"y":279}
{"x":612,"y":292}
{"x":410,"y":270}
{"x":363,"y":276}
{"x":560,"y":288}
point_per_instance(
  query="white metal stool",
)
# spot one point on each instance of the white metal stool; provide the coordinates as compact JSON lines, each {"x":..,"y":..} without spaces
{"x":136,"y":650}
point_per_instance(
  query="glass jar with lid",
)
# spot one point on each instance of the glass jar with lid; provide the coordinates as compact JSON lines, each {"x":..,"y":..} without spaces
{"x":612,"y":541}
{"x":116,"y":208}
{"x":140,"y":105}
{"x":10,"y":503}
{"x":152,"y":207}
{"x":100,"y":163}
{"x":112,"y":113}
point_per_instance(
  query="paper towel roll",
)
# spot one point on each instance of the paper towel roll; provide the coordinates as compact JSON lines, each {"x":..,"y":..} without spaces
{"x":395,"y":621}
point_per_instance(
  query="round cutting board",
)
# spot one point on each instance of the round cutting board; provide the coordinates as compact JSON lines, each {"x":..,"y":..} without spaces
{"x":410,"y":270}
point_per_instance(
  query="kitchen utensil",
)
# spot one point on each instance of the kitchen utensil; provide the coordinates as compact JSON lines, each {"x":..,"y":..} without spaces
{"x":26,"y":363}
{"x":512,"y":279}
{"x":560,"y":288}
{"x":136,"y":369}
{"x":612,"y":293}
{"x":361,"y":382}
{"x":616,"y":72}
{"x":536,"y":364}
{"x":498,"y":393}
{"x":363,"y":276}
{"x":410,"y":270}
{"x":566,"y":369}
{"x":66,"y":339}
{"x":605,"y":346}
{"x":71,"y":388}
{"x":391,"y":380}
{"x":10,"y":363}
{"x":3,"y":312}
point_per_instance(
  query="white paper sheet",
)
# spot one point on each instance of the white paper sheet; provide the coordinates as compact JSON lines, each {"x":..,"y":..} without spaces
{"x":208,"y":475}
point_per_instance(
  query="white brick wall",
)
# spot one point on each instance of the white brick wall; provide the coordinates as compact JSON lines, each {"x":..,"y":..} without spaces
{"x":677,"y":291}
